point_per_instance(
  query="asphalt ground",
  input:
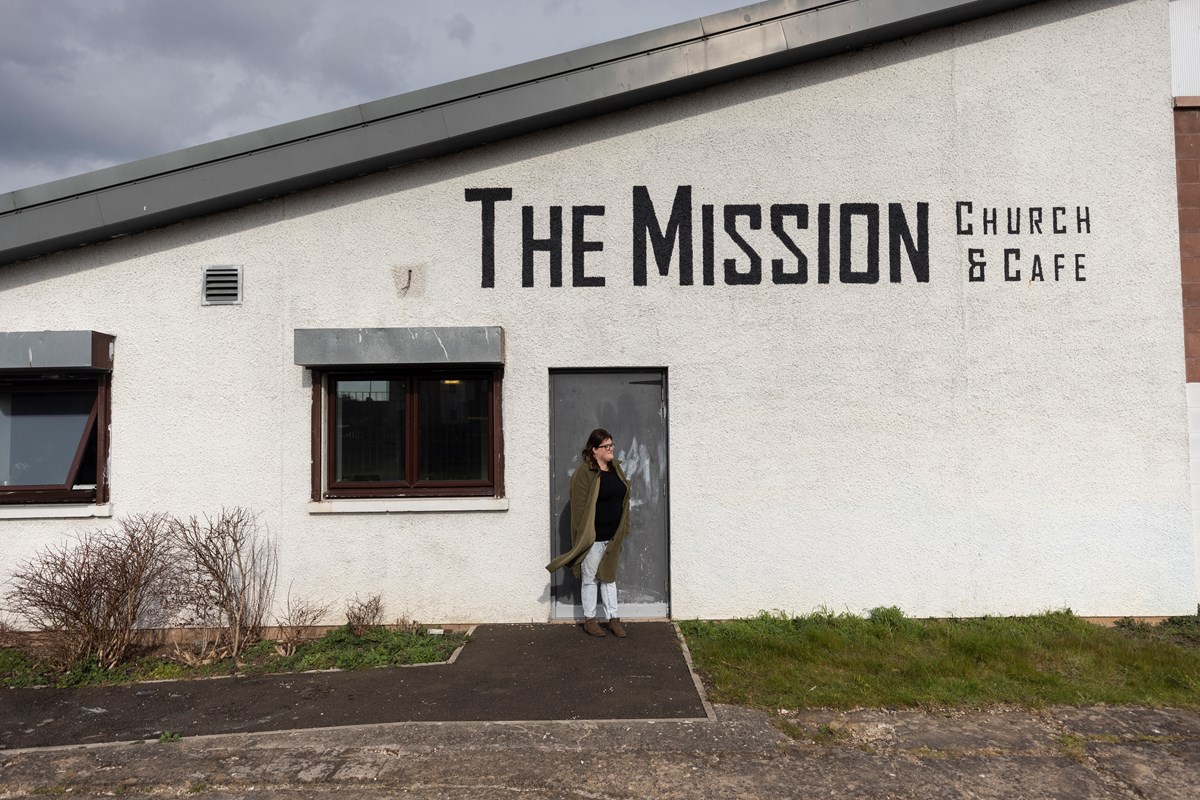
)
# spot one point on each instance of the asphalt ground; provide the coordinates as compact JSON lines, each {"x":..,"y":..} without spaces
{"x":505,"y":673}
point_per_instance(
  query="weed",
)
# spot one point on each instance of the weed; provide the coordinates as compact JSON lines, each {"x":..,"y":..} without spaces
{"x":297,"y":617}
{"x":825,"y":734}
{"x":789,"y":728}
{"x":19,"y":669}
{"x":169,"y":736}
{"x":1073,"y":746}
{"x":362,"y":615}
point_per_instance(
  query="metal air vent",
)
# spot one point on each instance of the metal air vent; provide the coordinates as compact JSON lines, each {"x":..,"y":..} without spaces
{"x":222,"y":286}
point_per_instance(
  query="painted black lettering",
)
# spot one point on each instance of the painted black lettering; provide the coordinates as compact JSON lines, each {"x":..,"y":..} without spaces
{"x":975,"y":265}
{"x":580,"y":245}
{"x":1079,"y":267}
{"x":487,"y":198}
{"x":753,"y":275}
{"x":551,"y":245}
{"x":1014,"y":220}
{"x":798,"y":212}
{"x":899,"y":232}
{"x":846,"y":220}
{"x":1057,"y":228}
{"x":1083,"y":219}
{"x":989,"y":221}
{"x":1035,"y":220}
{"x":1011,"y":254}
{"x":679,"y":227}
{"x":1059,"y":264}
{"x":960,"y":207}
{"x":1036,"y":273}
{"x":708,"y":246}
{"x":823,"y":243}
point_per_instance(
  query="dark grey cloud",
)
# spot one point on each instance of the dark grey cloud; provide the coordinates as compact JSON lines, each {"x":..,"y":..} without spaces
{"x":89,"y":83}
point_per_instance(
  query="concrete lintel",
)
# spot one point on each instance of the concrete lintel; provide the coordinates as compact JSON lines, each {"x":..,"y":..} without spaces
{"x":344,"y":347}
{"x":40,"y":350}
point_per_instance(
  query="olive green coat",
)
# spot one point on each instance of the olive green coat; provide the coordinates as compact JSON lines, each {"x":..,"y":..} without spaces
{"x":585,"y":489}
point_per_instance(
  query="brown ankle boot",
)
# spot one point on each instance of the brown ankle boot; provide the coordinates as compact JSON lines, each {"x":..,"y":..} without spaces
{"x":591,"y":628}
{"x":616,"y":628}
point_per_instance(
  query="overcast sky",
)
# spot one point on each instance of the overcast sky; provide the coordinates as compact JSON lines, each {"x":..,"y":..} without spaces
{"x":85,"y":84}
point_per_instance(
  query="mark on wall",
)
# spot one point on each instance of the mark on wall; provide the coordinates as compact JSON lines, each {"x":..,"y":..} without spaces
{"x":636,"y":464}
{"x":407,"y":278}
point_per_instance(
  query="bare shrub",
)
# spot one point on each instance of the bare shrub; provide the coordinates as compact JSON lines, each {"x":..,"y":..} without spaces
{"x":9,"y":635}
{"x":294,"y":623}
{"x":87,"y":597}
{"x":362,"y":615}
{"x":228,"y":568}
{"x":406,"y":625}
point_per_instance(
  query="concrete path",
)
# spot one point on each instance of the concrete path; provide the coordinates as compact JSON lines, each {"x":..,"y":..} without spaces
{"x":1064,"y":753}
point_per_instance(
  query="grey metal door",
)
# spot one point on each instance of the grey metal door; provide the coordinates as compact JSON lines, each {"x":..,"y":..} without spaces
{"x":631,"y":404}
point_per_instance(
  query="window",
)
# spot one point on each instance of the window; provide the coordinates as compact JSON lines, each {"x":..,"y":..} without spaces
{"x":409,"y":432}
{"x":53,"y":438}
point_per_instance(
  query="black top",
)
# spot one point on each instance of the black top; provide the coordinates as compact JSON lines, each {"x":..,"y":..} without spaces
{"x":609,"y":505}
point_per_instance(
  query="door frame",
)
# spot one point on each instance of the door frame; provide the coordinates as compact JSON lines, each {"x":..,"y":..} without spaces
{"x":576,"y":611}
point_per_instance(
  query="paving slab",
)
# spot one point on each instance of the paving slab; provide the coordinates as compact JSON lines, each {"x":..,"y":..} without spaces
{"x":1010,"y":731}
{"x":740,"y":754}
{"x":506,"y":672}
{"x":1166,"y":771}
{"x":1129,"y":721}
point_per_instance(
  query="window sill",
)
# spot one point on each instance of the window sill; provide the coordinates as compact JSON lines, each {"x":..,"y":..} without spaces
{"x":55,"y":511}
{"x":405,"y":505}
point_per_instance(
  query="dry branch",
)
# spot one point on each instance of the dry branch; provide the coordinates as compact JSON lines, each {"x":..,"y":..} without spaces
{"x":88,"y":596}
{"x":228,"y":572}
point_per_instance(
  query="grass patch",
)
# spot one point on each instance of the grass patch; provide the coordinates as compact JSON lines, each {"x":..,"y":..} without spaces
{"x":338,"y":649}
{"x":825,"y":733}
{"x":886,"y":659}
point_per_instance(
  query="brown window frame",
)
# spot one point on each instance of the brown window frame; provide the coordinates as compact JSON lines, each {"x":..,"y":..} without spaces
{"x":324,"y":437}
{"x":98,"y":421}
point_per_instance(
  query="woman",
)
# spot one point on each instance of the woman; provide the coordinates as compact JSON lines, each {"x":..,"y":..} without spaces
{"x":599,"y":524}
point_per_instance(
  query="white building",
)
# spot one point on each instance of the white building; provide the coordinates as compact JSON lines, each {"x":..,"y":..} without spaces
{"x":878,"y":299}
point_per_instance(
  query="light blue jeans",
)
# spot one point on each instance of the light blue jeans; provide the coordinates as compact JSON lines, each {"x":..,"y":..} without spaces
{"x":608,"y":591}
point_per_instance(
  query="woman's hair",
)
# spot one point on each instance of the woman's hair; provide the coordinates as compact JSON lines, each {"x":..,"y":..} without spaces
{"x":594,"y":439}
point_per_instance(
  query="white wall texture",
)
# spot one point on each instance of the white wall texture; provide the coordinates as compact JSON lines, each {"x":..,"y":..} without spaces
{"x":953,"y":448}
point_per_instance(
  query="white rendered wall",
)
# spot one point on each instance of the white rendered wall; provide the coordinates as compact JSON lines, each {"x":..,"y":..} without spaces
{"x":950,"y":447}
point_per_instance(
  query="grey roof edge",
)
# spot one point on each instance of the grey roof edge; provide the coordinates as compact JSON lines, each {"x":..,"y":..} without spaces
{"x":342,"y":144}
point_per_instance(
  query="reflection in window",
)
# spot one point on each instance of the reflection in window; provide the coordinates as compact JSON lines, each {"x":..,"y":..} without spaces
{"x":452,"y":429}
{"x":42,"y":438}
{"x":53,"y":438}
{"x":370,"y":431}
